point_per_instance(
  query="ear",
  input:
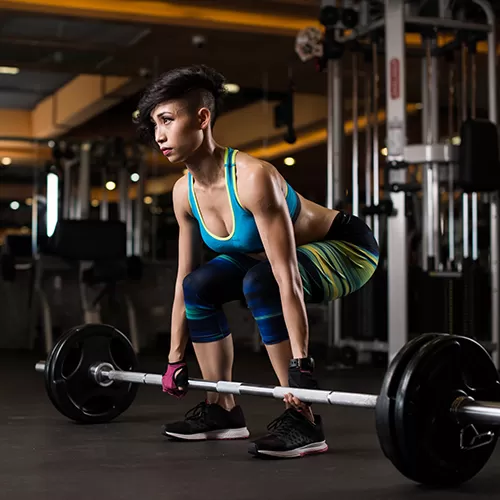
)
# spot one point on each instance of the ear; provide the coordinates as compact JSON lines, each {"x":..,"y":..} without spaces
{"x":204,"y":118}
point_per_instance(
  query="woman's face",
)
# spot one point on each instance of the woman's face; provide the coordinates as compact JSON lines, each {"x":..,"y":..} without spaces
{"x":179,"y":129}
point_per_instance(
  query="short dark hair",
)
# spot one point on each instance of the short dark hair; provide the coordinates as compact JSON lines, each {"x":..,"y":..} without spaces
{"x":207,"y":84}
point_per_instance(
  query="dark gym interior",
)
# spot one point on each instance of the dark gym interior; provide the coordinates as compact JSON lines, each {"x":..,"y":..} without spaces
{"x":88,"y":235}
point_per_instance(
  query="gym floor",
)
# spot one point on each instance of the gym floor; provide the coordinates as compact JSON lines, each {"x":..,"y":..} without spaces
{"x":46,"y":457}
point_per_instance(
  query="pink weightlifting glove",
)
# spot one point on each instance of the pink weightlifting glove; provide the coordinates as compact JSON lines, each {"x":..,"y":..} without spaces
{"x":175,"y":379}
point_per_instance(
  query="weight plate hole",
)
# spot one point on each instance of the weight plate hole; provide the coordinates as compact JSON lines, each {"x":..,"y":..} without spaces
{"x":120,"y":355}
{"x":72,"y":362}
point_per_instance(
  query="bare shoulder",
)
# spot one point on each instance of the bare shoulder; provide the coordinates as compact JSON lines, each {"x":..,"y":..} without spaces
{"x":254,"y":172}
{"x":180,"y":195}
{"x":259,"y":182}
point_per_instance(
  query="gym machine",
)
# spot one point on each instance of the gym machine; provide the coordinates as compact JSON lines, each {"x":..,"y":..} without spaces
{"x":74,"y":241}
{"x":365,"y":30}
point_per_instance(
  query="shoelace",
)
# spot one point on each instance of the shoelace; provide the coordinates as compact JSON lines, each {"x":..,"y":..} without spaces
{"x":281,"y":425}
{"x":197,"y":412}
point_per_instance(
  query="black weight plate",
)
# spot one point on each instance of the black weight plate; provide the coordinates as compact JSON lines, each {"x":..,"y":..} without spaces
{"x":48,"y":382}
{"x":384,"y":411}
{"x":431,"y":444}
{"x":69,"y":386}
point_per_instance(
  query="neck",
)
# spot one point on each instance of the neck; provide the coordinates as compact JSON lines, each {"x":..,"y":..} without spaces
{"x":207,"y":163}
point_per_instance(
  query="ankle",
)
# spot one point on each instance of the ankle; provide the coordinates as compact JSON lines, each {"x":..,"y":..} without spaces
{"x":227,"y":402}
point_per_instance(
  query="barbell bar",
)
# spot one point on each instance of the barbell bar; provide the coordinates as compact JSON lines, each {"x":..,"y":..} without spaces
{"x":486,"y":412}
{"x":102,"y":373}
{"x":436,"y":417}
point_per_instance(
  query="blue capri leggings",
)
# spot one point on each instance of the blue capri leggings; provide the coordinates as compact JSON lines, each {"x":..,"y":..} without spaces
{"x":338,"y":265}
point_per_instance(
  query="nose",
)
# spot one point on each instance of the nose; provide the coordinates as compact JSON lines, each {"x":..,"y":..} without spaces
{"x":160,"y":136}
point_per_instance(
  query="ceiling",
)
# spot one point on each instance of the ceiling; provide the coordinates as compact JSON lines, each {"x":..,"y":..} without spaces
{"x":50,"y":49}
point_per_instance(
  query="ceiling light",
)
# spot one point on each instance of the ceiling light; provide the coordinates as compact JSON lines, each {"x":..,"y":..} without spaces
{"x":383,"y":151}
{"x":94,"y":203}
{"x":14,"y":205}
{"x":6,"y":161}
{"x":135,"y":177}
{"x":29,"y":201}
{"x":9,"y":70}
{"x":232,"y":88}
{"x":289,"y":161}
{"x":110,"y":185}
{"x":148,"y":200}
{"x":456,"y":140}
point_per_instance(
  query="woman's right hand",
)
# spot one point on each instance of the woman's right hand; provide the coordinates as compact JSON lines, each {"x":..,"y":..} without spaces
{"x":175,"y":379}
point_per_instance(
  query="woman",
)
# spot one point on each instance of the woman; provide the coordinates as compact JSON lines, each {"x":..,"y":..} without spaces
{"x":275,"y":248}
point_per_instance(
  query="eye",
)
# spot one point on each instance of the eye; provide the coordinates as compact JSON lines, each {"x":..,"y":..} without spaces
{"x":166,"y":119}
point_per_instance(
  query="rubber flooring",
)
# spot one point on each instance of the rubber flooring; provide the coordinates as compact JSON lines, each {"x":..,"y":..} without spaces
{"x":44,"y":456}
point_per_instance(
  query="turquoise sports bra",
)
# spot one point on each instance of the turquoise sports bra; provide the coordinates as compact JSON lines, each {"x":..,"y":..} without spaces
{"x":244,"y":237}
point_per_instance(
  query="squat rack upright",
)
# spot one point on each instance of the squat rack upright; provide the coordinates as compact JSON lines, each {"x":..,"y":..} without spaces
{"x":397,"y":16}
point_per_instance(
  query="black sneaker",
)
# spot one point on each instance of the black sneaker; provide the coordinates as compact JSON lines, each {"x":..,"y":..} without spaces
{"x":209,"y":421}
{"x":291,"y":435}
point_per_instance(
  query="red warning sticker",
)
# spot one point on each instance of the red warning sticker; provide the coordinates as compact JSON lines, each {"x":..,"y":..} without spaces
{"x":395,"y":79}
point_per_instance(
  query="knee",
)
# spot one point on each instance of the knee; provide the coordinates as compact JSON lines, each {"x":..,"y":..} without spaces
{"x":199,"y":285}
{"x":259,"y":284}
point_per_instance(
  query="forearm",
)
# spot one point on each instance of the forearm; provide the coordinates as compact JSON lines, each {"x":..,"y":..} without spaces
{"x":295,"y":316}
{"x":179,"y":330}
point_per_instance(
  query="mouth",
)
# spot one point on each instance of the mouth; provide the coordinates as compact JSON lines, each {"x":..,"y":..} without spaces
{"x":166,"y":151}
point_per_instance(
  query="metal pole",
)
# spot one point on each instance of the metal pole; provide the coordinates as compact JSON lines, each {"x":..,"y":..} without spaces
{"x":494,"y":201}
{"x":334,"y":181}
{"x":451,"y":170}
{"x":434,"y":130}
{"x":474,"y":228}
{"x":355,"y":136}
{"x":139,"y":210}
{"x":83,"y":201}
{"x":376,"y":147}
{"x":397,"y":258}
{"x":487,"y":412}
{"x":67,"y":188}
{"x":465,"y":196}
{"x":34,"y":213}
{"x":102,"y":373}
{"x":369,"y":144}
{"x":125,"y":205}
{"x":427,"y":245}
{"x":104,"y":205}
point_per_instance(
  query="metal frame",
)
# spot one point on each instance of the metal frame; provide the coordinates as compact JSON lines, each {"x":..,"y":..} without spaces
{"x":397,"y":259}
{"x":494,"y":200}
{"x":334,"y":180}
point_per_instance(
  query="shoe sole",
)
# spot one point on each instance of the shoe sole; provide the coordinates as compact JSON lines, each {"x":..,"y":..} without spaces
{"x":310,"y":449}
{"x":225,"y":434}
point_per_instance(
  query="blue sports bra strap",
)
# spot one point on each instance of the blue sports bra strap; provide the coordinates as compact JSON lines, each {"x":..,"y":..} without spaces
{"x":191,"y":199}
{"x":228,"y":158}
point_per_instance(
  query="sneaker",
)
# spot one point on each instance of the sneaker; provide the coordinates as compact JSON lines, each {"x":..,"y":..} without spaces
{"x":209,"y":421}
{"x":291,"y":435}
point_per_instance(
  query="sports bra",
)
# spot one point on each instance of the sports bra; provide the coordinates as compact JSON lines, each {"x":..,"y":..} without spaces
{"x":244,"y":236}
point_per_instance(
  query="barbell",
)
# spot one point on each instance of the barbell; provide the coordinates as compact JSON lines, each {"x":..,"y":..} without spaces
{"x":436,"y":416}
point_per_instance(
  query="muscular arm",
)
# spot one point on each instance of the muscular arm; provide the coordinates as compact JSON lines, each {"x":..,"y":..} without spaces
{"x":189,"y":259}
{"x":264,"y":198}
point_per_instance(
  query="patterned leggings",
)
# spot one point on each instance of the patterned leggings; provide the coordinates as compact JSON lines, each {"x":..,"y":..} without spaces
{"x":329,"y":269}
